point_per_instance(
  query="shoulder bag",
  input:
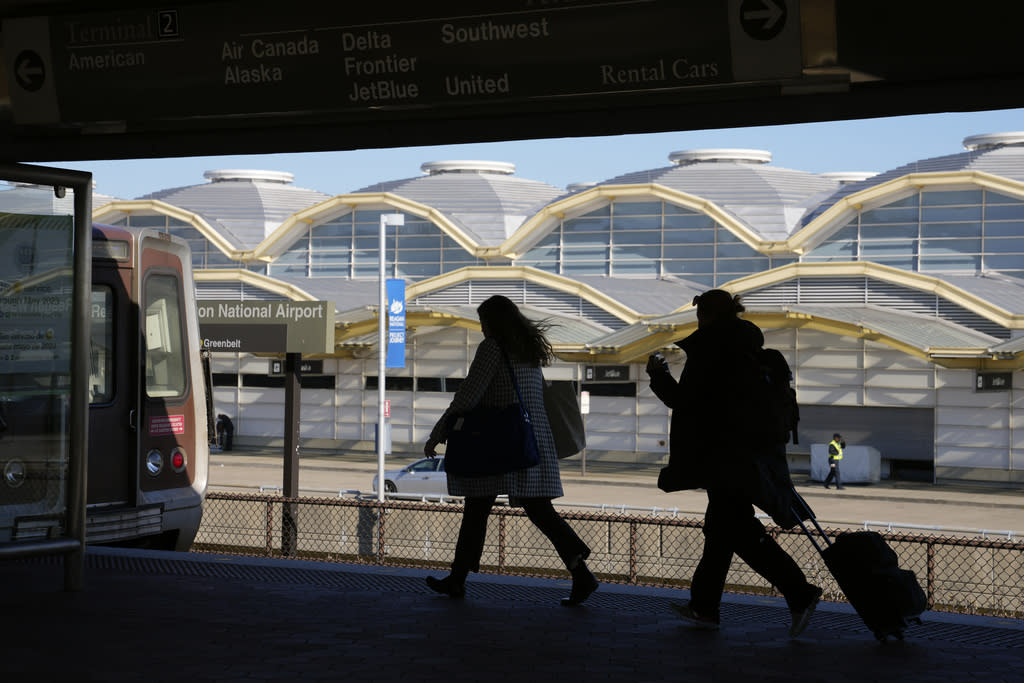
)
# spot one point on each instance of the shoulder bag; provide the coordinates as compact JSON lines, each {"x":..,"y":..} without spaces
{"x":565,"y":418}
{"x":487,"y":441}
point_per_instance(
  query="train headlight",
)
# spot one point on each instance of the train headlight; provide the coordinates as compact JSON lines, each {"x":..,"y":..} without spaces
{"x":14,"y":473}
{"x":154,"y":462}
{"x":178,"y":459}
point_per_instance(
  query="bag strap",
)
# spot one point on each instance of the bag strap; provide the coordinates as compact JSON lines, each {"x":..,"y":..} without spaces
{"x":512,"y":374}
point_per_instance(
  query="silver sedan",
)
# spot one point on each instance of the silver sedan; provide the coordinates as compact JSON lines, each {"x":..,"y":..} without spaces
{"x":425,"y":476}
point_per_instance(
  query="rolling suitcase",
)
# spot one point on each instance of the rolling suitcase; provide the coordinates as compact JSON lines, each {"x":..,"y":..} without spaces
{"x":867,"y":570}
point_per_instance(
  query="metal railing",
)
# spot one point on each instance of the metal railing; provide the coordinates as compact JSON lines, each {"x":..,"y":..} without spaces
{"x":958,"y":574}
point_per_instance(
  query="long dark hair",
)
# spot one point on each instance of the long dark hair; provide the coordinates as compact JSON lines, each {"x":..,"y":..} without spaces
{"x":522,"y":338}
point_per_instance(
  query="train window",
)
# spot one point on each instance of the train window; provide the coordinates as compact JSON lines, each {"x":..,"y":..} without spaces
{"x":101,"y":345}
{"x":165,"y":344}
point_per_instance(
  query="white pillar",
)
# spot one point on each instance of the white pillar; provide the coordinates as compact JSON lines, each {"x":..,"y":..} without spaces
{"x":386,"y":219}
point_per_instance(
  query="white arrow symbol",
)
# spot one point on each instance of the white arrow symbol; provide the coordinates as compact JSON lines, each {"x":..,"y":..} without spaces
{"x":772,"y":13}
{"x":27,"y":70}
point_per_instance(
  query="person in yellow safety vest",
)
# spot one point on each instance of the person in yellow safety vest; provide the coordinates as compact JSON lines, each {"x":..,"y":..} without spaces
{"x":835,"y":454}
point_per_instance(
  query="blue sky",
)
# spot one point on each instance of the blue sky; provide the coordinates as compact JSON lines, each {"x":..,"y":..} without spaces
{"x":861,"y":145}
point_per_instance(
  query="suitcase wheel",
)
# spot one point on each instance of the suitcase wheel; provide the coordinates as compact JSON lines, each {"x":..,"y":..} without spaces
{"x":883,"y":636}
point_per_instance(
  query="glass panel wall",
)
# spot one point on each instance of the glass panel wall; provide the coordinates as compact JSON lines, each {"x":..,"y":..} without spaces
{"x":36,"y":302}
{"x":953,"y":231}
{"x":647,"y":239}
{"x":347,"y":246}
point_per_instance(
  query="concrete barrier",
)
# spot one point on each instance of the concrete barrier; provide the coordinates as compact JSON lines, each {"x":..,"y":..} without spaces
{"x":860,"y":464}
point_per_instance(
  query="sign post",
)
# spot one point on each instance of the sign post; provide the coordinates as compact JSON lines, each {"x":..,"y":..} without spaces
{"x":289,"y":327}
{"x":386,"y":219}
{"x":289,"y":514}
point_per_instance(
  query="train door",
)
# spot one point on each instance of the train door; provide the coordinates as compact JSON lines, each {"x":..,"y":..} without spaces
{"x":113,"y":378}
{"x":172,"y":428}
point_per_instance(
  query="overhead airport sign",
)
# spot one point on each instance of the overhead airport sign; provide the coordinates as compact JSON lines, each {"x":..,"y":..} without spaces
{"x":267,"y":326}
{"x":241,"y":57}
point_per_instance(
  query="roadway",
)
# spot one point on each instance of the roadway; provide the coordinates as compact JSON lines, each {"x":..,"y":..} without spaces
{"x":905,"y":505}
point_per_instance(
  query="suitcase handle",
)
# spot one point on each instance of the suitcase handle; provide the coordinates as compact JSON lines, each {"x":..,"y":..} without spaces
{"x":799,"y":501}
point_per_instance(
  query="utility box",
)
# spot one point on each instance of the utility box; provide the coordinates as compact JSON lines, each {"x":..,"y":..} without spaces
{"x":387,"y":438}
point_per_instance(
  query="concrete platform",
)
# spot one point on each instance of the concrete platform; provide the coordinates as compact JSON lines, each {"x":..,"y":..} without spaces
{"x":160,"y":616}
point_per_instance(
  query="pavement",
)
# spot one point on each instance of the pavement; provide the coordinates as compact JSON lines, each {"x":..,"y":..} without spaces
{"x":948,"y":509}
{"x":161,"y":616}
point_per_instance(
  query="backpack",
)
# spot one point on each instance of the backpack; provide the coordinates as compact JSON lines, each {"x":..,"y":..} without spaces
{"x":777,"y":396}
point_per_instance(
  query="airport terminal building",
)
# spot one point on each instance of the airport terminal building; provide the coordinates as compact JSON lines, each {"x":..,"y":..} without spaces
{"x":898,"y":297}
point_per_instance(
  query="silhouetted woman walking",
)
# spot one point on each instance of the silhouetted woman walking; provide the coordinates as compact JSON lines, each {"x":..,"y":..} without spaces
{"x":507,"y":331}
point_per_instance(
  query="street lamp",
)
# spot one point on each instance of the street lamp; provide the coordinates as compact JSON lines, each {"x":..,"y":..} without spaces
{"x":386,"y":219}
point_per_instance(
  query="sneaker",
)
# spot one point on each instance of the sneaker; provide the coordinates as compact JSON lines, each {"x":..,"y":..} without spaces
{"x":710,"y":622}
{"x":803,"y":617}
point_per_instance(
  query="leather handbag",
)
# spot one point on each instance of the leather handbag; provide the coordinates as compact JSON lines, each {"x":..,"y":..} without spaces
{"x":565,"y":418}
{"x":487,"y":441}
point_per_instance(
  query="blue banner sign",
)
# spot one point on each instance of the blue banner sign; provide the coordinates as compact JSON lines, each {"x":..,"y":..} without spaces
{"x":396,"y":323}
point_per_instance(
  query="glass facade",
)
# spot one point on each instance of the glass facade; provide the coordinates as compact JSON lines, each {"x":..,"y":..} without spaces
{"x":956,"y":231}
{"x":347,"y":246}
{"x":653,"y":239}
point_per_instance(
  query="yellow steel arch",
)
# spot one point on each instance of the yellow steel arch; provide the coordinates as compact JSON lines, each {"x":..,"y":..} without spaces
{"x":534,"y":275}
{"x":115,"y":210}
{"x":840,"y":213}
{"x":297,"y":224}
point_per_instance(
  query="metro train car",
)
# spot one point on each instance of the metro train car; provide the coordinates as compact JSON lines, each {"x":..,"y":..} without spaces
{"x":149,"y":407}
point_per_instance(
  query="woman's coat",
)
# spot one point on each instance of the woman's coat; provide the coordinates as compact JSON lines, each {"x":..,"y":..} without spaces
{"x":488,"y":384}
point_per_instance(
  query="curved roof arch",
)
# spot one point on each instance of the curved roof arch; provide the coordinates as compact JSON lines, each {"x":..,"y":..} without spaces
{"x":918,"y":281}
{"x":484,"y":199}
{"x":927,"y":338}
{"x":840,"y":212}
{"x":768,"y":200}
{"x":299,"y":223}
{"x":547,"y":218}
{"x":244,"y":205}
{"x":119,"y":208}
{"x":235,"y":276}
{"x":995,"y":155}
{"x":527,"y":274}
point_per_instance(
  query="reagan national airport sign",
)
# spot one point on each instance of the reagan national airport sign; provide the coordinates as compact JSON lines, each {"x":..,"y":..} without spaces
{"x":267,"y":326}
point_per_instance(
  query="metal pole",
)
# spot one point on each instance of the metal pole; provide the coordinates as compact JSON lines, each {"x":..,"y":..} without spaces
{"x":292,"y":406}
{"x":78,"y":463}
{"x":382,"y":348}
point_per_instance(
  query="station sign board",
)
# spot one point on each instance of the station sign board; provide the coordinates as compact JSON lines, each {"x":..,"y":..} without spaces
{"x":606,"y":373}
{"x":993,"y":381}
{"x":306,"y":367}
{"x":267,"y":326}
{"x":251,"y":58}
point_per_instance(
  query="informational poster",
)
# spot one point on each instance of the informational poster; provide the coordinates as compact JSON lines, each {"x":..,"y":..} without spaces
{"x":396,"y":323}
{"x":36,"y":284}
{"x":35,"y":299}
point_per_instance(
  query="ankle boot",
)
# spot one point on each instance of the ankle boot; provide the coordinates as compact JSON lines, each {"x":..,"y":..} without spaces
{"x":453,"y":586}
{"x":583,"y":583}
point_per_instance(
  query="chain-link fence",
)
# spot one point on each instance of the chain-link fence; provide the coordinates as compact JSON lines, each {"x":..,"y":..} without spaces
{"x":971,"y":575}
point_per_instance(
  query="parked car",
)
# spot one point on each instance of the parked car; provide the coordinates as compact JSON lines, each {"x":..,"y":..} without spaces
{"x":425,"y":476}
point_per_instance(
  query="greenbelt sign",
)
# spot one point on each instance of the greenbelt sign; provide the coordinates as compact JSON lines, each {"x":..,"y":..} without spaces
{"x":267,"y":326}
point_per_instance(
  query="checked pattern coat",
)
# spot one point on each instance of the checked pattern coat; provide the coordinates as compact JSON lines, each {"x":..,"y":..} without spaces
{"x":488,"y":383}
